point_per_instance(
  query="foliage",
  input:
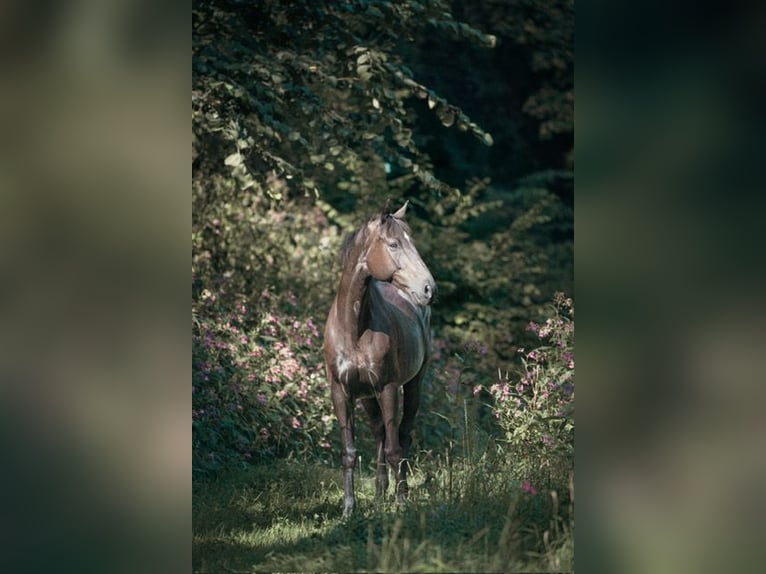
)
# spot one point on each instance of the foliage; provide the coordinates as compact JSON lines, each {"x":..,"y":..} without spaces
{"x":243,"y":244}
{"x":490,"y":286}
{"x":314,"y":94}
{"x":521,"y":91}
{"x":258,"y":390}
{"x":544,"y":31}
{"x":535,"y":410}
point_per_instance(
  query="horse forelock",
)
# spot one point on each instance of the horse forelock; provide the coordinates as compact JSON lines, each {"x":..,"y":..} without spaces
{"x":394,"y":227}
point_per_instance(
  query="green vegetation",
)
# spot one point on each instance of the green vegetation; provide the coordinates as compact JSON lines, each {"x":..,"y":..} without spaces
{"x":306,"y":118}
{"x":485,"y":497}
{"x":461,"y":517}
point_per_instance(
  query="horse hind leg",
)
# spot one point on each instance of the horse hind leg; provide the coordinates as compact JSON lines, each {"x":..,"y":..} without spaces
{"x":375,"y":420}
{"x":411,"y":403}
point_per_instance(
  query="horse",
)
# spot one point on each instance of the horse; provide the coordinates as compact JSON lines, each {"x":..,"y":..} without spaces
{"x":376,"y":341}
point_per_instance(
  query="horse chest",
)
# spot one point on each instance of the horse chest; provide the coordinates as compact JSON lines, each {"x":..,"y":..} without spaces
{"x":373,"y":363}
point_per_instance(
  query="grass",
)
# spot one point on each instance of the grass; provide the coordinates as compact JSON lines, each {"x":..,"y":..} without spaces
{"x":286,"y":516}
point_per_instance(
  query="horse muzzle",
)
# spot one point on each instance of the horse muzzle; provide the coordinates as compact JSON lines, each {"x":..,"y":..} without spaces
{"x":425,"y":293}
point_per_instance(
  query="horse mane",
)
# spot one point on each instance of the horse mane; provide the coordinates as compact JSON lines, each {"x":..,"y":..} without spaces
{"x":347,"y":245}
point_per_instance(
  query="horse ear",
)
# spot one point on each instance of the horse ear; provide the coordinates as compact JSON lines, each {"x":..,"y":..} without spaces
{"x":401,"y":211}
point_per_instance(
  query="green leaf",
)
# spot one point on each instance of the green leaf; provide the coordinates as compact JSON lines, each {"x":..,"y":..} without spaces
{"x":234,"y":159}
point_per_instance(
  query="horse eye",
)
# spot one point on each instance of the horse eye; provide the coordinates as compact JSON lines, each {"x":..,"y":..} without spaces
{"x":394,"y":245}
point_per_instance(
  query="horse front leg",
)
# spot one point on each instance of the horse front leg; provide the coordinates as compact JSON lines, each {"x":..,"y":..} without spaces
{"x":389,"y":405}
{"x":375,"y":419}
{"x":344,"y":412}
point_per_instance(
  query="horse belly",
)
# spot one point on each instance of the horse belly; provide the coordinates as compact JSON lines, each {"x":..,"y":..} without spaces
{"x":382,"y":362}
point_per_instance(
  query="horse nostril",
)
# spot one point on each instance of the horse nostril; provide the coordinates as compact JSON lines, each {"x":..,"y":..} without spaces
{"x":427,"y":291}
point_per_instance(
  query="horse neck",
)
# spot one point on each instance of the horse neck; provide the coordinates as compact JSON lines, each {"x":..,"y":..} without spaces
{"x":353,"y":286}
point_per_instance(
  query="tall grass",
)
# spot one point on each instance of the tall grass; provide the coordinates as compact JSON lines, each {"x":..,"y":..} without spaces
{"x":462,"y":516}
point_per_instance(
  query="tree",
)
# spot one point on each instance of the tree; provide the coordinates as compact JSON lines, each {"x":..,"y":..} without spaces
{"x":302,"y":97}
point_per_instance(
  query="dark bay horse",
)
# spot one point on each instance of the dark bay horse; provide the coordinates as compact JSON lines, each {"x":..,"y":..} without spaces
{"x":377,"y":340}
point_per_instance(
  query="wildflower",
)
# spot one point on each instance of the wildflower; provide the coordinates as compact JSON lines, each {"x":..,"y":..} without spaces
{"x":529,"y":488}
{"x":548,"y":440}
{"x":477,"y":389}
{"x":545,"y":330}
{"x":296,"y":423}
{"x":261,"y":398}
{"x":264,"y":433}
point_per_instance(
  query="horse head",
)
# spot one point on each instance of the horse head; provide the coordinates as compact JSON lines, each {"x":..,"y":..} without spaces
{"x":392,"y":257}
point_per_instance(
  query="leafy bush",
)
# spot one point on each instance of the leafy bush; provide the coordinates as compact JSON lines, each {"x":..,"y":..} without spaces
{"x":535,"y":409}
{"x":258,"y":391}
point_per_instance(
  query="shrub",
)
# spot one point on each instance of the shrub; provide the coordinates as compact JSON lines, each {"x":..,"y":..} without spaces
{"x":258,"y":391}
{"x":535,"y":409}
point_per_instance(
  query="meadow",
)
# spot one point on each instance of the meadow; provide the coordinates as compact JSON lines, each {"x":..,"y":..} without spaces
{"x":462,"y":516}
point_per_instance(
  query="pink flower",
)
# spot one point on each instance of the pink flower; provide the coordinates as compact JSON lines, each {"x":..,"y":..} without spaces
{"x":528,"y":488}
{"x":296,"y":423}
